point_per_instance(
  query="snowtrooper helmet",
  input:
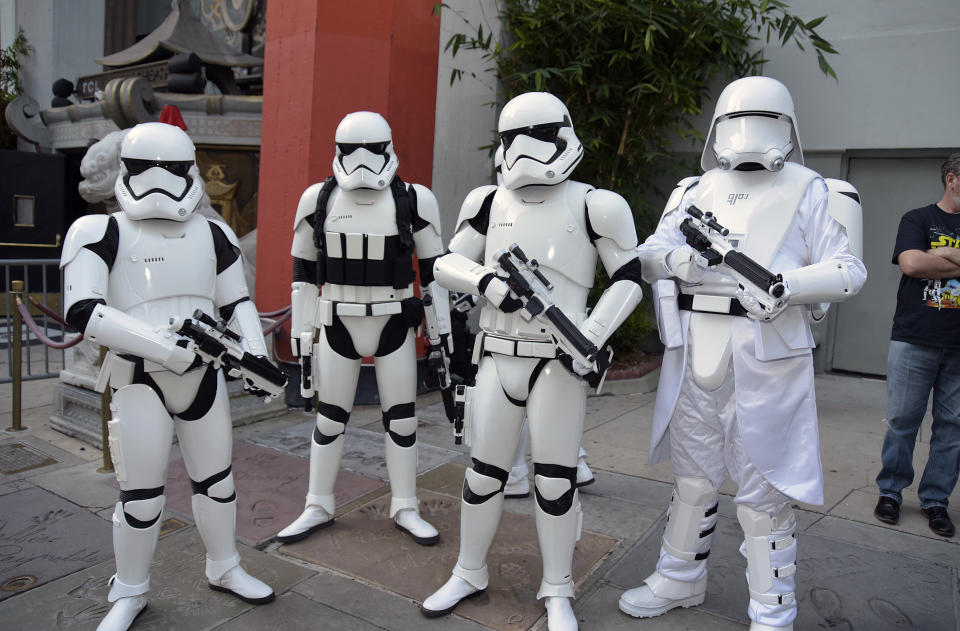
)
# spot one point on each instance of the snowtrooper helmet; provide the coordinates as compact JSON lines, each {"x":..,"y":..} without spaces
{"x":498,"y":164}
{"x":754,"y":123}
{"x":364,"y":156}
{"x":539,"y":144}
{"x":158,"y":176}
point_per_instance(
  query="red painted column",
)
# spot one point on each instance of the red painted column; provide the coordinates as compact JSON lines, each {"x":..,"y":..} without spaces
{"x":324,"y":60}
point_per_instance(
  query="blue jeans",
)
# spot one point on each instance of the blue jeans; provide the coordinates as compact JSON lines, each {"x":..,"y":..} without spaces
{"x":912,"y":371}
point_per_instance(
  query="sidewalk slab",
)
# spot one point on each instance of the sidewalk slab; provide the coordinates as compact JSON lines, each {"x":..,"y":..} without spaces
{"x":271,"y":487}
{"x":839,"y":584}
{"x":293,"y":612}
{"x":23,"y":455}
{"x":377,"y":606}
{"x":179,"y":596}
{"x":363,"y":452}
{"x":859,"y":505}
{"x":44,"y":537}
{"x":366,"y":544}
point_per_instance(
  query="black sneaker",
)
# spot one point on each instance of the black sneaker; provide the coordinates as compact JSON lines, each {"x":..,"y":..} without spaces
{"x":939,"y":520}
{"x":887,"y":510}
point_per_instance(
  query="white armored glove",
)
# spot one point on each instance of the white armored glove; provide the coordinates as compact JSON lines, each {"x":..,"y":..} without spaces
{"x":686,"y":264}
{"x":501,"y":296}
{"x":756,"y":310}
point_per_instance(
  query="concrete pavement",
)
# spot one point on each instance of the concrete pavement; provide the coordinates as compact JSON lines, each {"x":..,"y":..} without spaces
{"x":854,"y":572}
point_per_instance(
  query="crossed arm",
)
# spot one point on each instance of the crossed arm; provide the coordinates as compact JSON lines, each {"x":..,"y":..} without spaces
{"x":936,"y":263}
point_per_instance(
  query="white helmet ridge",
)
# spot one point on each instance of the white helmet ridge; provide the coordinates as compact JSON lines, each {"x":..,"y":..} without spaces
{"x":364,"y":157}
{"x":754,"y":125}
{"x":158,"y":176}
{"x":539,"y":144}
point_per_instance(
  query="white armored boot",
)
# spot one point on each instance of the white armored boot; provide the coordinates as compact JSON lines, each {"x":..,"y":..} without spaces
{"x":216,"y":523}
{"x":557,"y":535}
{"x":770,"y":548}
{"x":681,"y":576}
{"x":480,"y":512}
{"x":320,"y":504}
{"x":402,"y":471}
{"x":133,"y":549}
{"x":584,"y":474}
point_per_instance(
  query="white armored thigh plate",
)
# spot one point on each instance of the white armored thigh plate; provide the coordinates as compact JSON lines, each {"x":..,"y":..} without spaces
{"x":166,"y":262}
{"x":710,"y":348}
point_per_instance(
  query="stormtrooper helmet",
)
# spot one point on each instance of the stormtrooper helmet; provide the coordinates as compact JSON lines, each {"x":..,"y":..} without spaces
{"x":539,"y":144}
{"x":754,"y":125}
{"x":364,"y":156}
{"x":498,"y":164}
{"x":158,"y":176}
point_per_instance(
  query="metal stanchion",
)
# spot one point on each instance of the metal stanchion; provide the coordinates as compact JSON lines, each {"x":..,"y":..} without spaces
{"x":16,"y":367}
{"x":104,"y":419}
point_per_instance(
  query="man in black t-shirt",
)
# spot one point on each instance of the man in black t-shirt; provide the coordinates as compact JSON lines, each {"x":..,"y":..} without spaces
{"x":924,"y":356}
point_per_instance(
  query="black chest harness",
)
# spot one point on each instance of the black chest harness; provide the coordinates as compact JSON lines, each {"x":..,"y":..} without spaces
{"x":394,"y":269}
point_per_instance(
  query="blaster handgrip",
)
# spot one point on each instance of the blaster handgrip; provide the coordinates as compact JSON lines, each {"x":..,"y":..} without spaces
{"x":755,"y":273}
{"x":572,"y":334}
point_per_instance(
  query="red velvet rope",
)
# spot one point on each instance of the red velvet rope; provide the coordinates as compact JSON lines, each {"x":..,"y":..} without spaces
{"x":50,"y":313}
{"x":276,"y":325}
{"x":273,"y":314}
{"x":25,"y":312}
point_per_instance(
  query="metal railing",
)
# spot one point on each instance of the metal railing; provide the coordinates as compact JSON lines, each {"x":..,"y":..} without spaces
{"x":43,"y":284}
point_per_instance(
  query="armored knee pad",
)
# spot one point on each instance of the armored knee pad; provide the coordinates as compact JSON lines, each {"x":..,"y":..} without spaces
{"x":142,"y":507}
{"x":218,"y":487}
{"x":555,"y":486}
{"x":400,"y":424}
{"x":483,"y":482}
{"x":331,"y":423}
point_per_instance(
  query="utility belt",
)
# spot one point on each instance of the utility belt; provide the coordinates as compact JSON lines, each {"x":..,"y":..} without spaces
{"x":326,"y":309}
{"x":518,"y":348}
{"x":703,"y":303}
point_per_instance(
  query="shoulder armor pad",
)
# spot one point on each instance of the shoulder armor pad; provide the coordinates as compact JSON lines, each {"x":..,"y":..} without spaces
{"x":677,"y":194}
{"x":610,"y":217}
{"x":85,"y":230}
{"x":843,"y":204}
{"x":473,"y":202}
{"x":308,"y":203}
{"x":227,"y":231}
{"x":427,"y":208}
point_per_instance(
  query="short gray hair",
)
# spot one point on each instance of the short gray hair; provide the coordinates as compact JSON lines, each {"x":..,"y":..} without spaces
{"x":950,"y":165}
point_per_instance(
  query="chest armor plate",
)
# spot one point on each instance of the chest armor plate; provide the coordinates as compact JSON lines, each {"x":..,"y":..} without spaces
{"x":549,"y":224}
{"x":160,"y":261}
{"x":757,"y":207}
{"x":362,"y":241}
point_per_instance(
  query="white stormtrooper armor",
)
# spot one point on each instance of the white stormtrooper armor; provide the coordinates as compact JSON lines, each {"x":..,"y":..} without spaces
{"x":565,"y":226}
{"x":127,"y":275}
{"x":736,"y":387}
{"x":354,"y":238}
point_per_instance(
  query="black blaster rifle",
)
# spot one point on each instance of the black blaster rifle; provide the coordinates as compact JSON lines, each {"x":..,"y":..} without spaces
{"x":705,"y":235}
{"x":219,"y":346}
{"x":527,"y":281}
{"x":437,"y":371}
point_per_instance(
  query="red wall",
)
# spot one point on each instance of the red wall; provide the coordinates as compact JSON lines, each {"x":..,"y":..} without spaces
{"x":324,"y":60}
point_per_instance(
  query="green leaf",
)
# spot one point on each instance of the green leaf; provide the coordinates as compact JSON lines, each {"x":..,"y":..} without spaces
{"x":815,"y":22}
{"x":790,"y":30}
